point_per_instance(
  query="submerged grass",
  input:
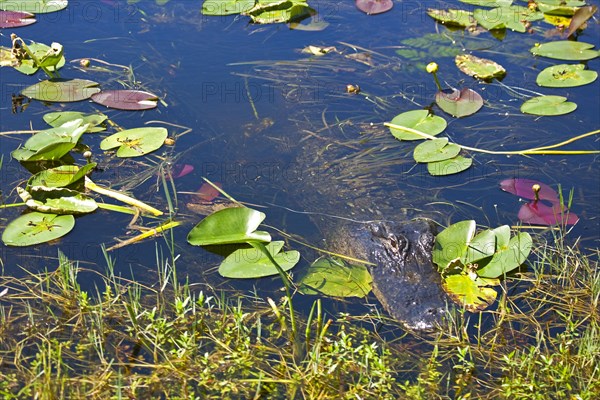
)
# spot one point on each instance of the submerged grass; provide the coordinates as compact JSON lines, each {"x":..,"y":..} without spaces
{"x":173,"y":340}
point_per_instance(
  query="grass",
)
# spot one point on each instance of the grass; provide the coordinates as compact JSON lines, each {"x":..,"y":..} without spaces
{"x":171,"y":340}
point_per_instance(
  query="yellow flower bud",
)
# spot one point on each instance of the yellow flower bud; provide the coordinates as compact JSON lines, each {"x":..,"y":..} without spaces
{"x":432,"y":68}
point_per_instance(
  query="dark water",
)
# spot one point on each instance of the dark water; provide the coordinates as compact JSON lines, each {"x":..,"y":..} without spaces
{"x":187,"y":59}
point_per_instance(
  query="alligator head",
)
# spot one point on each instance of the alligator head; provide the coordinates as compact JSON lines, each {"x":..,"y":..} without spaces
{"x":405,"y":280}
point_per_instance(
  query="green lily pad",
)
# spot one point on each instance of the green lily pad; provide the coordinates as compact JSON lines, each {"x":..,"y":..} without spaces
{"x":472,"y":294}
{"x":488,"y":3}
{"x":451,"y":244}
{"x":460,"y":18}
{"x":435,"y":150}
{"x":459,"y":103}
{"x":507,"y":257}
{"x":514,"y":18}
{"x":559,"y":7}
{"x":252,"y":263}
{"x":420,"y":120}
{"x":35,"y":228}
{"x":336,"y":278}
{"x":62,"y":176}
{"x":450,"y":166}
{"x":480,"y":247}
{"x":62,"y":90}
{"x":226,"y":7}
{"x":135,"y":142}
{"x":273,"y":12}
{"x":56,"y":119}
{"x":565,"y":50}
{"x":566,"y":75}
{"x":548,"y":106}
{"x":479,"y":68}
{"x":29,"y":67}
{"x":227,"y":226}
{"x":51,"y":144}
{"x":57,"y":200}
{"x":34,"y":6}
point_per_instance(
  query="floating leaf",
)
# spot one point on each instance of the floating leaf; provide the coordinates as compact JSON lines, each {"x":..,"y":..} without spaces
{"x":548,"y":106}
{"x":56,"y":119}
{"x":130,"y":100}
{"x":513,"y":17}
{"x":15,"y":19}
{"x":480,"y":68}
{"x":580,"y":18}
{"x":252,"y":263}
{"x":35,"y":228}
{"x":62,"y":90}
{"x":452,"y":17}
{"x":227,"y":226}
{"x":33,"y":6}
{"x":207,"y":192}
{"x":62,"y":176}
{"x":420,"y":120}
{"x":559,"y":7}
{"x":135,"y":142}
{"x":537,"y":213}
{"x":272,"y":12}
{"x":334,"y":277}
{"x":181,"y":170}
{"x":507,"y":256}
{"x":226,"y":7}
{"x":318,"y":50}
{"x":435,"y":150}
{"x":51,"y":144}
{"x":488,"y":3}
{"x":473,"y":294}
{"x":29,"y":67}
{"x":372,"y":7}
{"x":565,"y":50}
{"x":459,"y":103}
{"x":450,"y":166}
{"x":480,"y":247}
{"x":57,"y":200}
{"x":524,"y":188}
{"x":451,"y":243}
{"x":566,"y":75}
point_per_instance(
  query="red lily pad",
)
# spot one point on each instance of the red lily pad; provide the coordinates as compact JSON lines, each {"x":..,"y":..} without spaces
{"x":372,"y":7}
{"x":459,"y":103}
{"x":130,"y":100}
{"x":524,"y":188}
{"x":538,"y":213}
{"x":180,"y":170}
{"x":15,"y":19}
{"x":207,"y":193}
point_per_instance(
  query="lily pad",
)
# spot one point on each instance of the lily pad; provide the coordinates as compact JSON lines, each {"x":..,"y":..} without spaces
{"x":420,"y":120}
{"x":57,"y":200}
{"x":459,"y":103}
{"x":470,"y":291}
{"x":227,"y":226}
{"x":524,"y":188}
{"x":480,"y":68}
{"x":336,"y":278}
{"x":15,"y":19}
{"x":452,"y":17}
{"x":507,"y":256}
{"x":226,"y":7}
{"x":135,"y":142}
{"x":93,"y":120}
{"x":51,"y":144}
{"x":29,"y":67}
{"x":538,"y":213}
{"x":33,"y":6}
{"x":566,"y":75}
{"x":565,"y":50}
{"x":272,"y":12}
{"x":130,"y":100}
{"x":449,"y":167}
{"x":559,"y":7}
{"x":548,"y":106}
{"x":435,"y":150}
{"x":35,"y":228}
{"x":451,"y":244}
{"x":513,"y":17}
{"x":372,"y":7}
{"x":62,"y":176}
{"x":488,"y":3}
{"x":62,"y":90}
{"x":252,"y":263}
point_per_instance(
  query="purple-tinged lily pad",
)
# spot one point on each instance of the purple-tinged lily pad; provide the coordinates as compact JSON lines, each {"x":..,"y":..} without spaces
{"x":538,"y":213}
{"x":131,"y":100}
{"x":459,"y":103}
{"x":62,"y":90}
{"x":372,"y":7}
{"x":524,"y":188}
{"x":15,"y":19}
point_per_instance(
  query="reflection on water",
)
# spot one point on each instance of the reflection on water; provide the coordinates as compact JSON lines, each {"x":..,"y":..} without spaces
{"x":251,"y":98}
